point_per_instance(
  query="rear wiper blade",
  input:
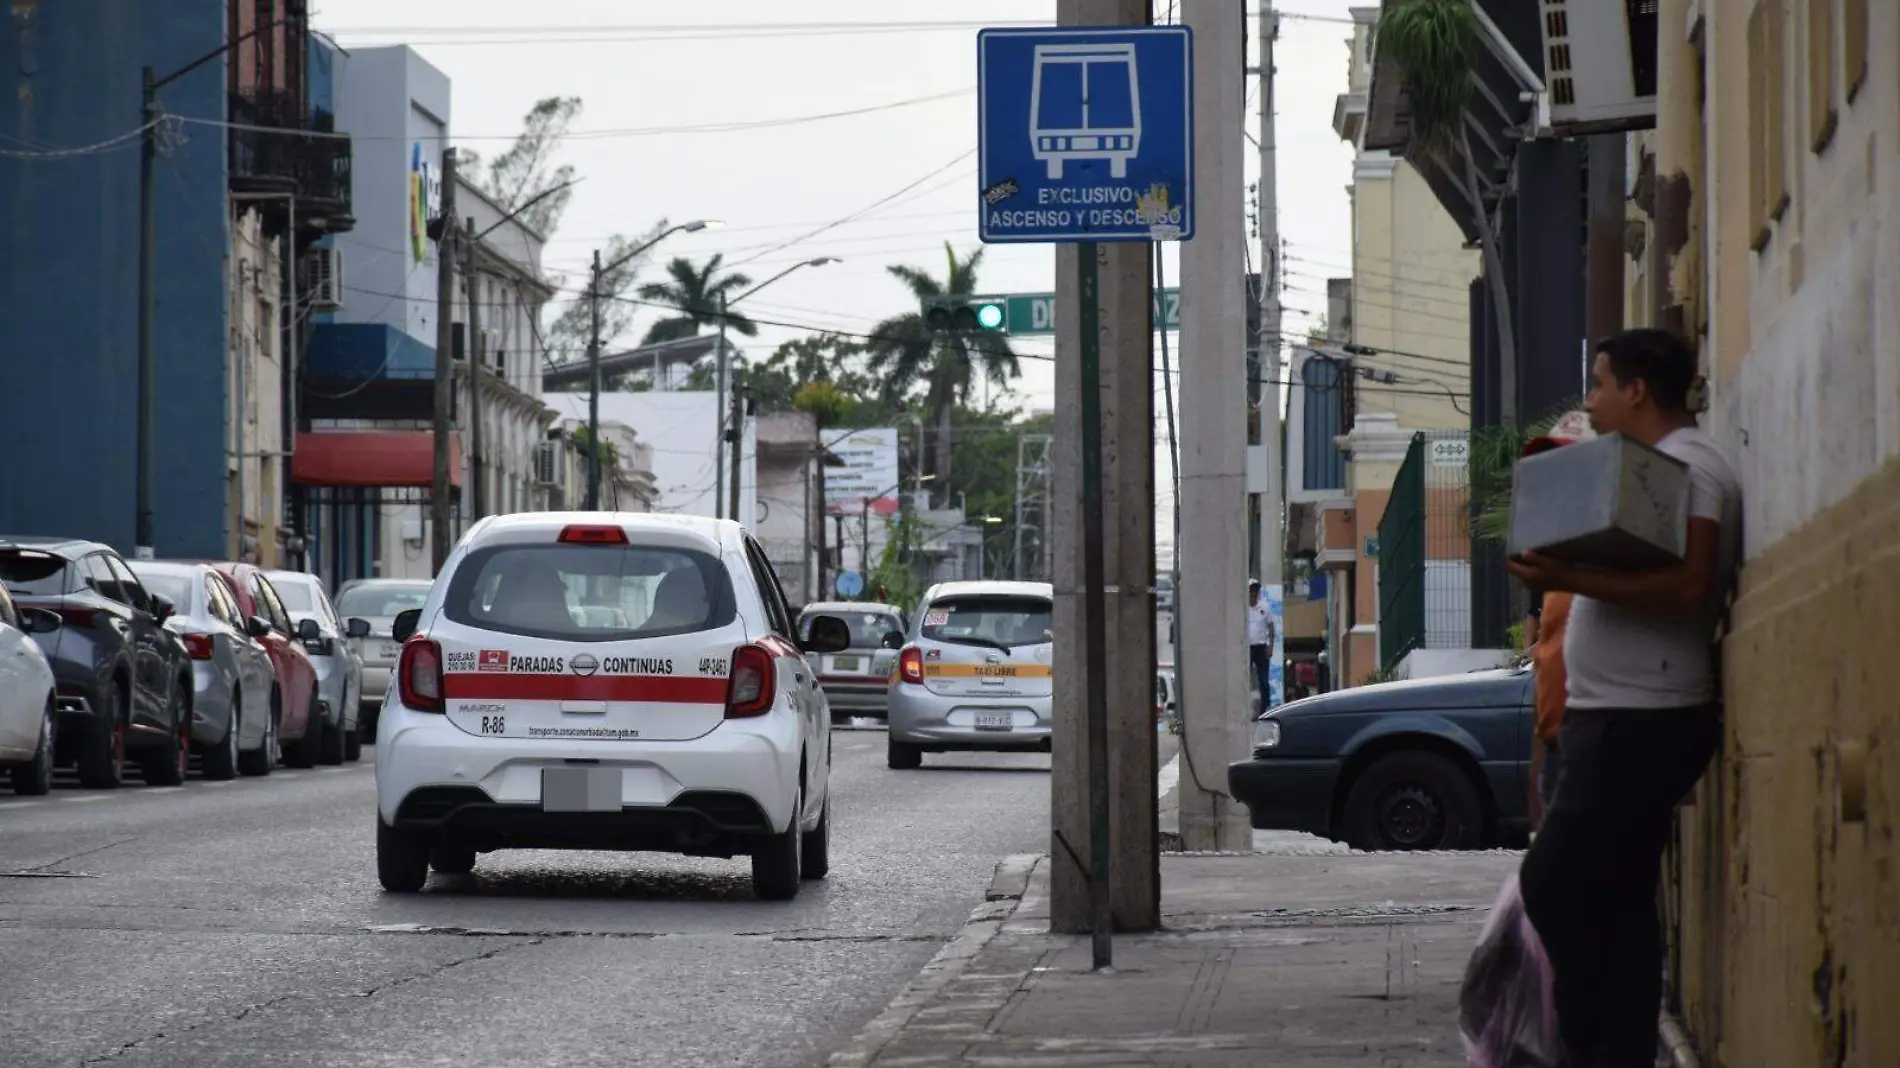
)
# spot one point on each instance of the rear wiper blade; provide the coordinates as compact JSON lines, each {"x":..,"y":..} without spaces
{"x":987,"y":643}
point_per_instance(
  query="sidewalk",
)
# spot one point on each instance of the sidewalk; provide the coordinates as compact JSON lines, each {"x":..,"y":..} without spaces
{"x":1298,"y":961}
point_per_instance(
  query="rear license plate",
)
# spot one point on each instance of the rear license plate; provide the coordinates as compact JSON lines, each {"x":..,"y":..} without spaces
{"x":580,"y":789}
{"x":995,"y":721}
{"x":390,"y":650}
{"x":845,"y":663}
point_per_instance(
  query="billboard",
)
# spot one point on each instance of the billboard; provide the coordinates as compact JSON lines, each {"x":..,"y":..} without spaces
{"x":869,"y":472}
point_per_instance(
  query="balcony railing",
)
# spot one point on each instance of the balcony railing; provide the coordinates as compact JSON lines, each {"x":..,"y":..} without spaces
{"x":276,"y":147}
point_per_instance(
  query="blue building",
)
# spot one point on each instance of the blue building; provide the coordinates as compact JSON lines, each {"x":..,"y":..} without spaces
{"x":239,"y":148}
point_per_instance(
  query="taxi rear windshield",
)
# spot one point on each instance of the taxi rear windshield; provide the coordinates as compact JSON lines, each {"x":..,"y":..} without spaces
{"x":993,"y":622}
{"x":590,"y":593}
{"x":867,"y":628}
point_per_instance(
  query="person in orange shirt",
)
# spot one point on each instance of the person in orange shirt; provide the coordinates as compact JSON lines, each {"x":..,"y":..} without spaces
{"x":1544,"y":640}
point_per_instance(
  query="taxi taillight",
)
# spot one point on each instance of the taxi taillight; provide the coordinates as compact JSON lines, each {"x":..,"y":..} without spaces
{"x":752,"y":687}
{"x":592,"y":534}
{"x":419,"y":675}
{"x":910,"y":666}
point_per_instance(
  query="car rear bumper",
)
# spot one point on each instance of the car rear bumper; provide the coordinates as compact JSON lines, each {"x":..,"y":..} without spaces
{"x":847,"y":695}
{"x":1286,"y":795}
{"x":701,"y":822}
{"x":422,"y":751}
{"x":934,"y":721}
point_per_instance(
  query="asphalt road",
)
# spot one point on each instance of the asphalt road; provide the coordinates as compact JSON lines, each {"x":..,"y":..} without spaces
{"x":240,"y":924}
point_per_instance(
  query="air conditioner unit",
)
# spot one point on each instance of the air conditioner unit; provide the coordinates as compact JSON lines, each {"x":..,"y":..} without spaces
{"x":1600,"y":65}
{"x":326,"y":278}
{"x":547,"y":462}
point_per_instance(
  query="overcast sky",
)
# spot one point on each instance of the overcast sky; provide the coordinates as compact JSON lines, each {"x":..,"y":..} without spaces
{"x":639,"y":65}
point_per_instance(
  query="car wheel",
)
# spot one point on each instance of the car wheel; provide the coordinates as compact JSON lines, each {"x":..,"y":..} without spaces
{"x":775,"y":860}
{"x":168,"y":766}
{"x":402,"y":859}
{"x":102,"y":757}
{"x":35,"y":778}
{"x":814,"y":861}
{"x":1413,"y":800}
{"x":331,"y":745}
{"x":902,"y":756}
{"x":263,"y":759}
{"x":452,"y":859}
{"x":221,"y":762}
{"x":353,"y":744}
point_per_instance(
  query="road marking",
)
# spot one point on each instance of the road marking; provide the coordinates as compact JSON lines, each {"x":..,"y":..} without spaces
{"x":212,"y":785}
{"x":86,"y":798}
{"x":20,"y":804}
{"x":161,"y":789}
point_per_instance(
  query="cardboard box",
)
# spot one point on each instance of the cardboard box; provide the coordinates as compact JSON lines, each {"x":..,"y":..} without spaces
{"x":1609,"y":502}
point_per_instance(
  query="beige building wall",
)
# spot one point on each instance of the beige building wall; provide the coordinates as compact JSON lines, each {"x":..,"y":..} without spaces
{"x":255,"y":369}
{"x":1410,"y":300}
{"x":1789,"y":936}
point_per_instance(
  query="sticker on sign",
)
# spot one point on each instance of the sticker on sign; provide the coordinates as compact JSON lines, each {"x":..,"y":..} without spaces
{"x":1450,"y":452}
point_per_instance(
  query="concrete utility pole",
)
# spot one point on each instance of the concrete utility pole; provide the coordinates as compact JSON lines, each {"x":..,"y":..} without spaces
{"x":1125,"y":752}
{"x":1212,"y":556}
{"x":720,"y":365}
{"x":593,"y":387}
{"x":441,"y":530}
{"x":735,"y":431}
{"x":477,"y":370}
{"x":1272,"y":502}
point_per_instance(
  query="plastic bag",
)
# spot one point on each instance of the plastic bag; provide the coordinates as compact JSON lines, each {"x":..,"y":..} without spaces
{"x":1507,"y":1015}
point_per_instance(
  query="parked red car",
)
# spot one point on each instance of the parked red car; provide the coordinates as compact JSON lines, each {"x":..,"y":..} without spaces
{"x":304,"y":727}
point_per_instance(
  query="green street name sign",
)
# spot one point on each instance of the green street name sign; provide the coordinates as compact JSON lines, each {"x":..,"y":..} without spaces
{"x":1035,"y":313}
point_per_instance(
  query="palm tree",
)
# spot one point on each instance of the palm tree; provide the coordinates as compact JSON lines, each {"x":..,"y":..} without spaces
{"x":695,"y":292}
{"x":1435,"y":45}
{"x":906,"y":353}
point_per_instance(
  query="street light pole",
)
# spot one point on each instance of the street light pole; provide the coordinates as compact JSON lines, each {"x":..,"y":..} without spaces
{"x":594,"y":295}
{"x":731,"y":422}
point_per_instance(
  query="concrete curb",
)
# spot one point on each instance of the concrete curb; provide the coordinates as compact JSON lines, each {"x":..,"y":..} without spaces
{"x":1006,"y":889}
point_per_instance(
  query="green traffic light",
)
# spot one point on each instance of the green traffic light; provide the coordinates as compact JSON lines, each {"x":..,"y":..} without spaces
{"x":990,"y":316}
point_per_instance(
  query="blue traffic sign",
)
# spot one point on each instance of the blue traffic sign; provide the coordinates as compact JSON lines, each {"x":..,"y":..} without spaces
{"x":1085,"y":134}
{"x":850,"y":583}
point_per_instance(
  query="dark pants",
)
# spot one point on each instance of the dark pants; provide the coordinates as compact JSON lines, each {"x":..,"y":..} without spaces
{"x":1262,"y":659}
{"x":1551,"y":773}
{"x":1591,"y":876}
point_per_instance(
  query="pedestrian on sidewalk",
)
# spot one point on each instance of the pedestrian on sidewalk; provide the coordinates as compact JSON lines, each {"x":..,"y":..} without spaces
{"x":1260,"y":642}
{"x":1544,"y":640}
{"x":1641,"y":721}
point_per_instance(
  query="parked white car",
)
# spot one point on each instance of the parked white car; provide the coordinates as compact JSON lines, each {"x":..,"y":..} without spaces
{"x":605,"y":681}
{"x":330,"y":640}
{"x":27,"y":717}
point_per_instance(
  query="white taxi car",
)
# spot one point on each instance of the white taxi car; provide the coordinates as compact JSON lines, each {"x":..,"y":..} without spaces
{"x":976,"y":673}
{"x":605,"y":681}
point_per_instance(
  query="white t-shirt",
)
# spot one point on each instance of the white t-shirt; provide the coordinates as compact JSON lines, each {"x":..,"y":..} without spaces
{"x":1259,"y":623}
{"x":1619,"y":657}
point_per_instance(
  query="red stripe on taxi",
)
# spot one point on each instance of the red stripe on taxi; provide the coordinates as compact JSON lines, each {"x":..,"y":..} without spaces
{"x":651,"y":689}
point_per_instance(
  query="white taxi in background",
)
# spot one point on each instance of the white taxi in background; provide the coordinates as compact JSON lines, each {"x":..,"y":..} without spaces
{"x":976,"y":673}
{"x":605,"y":681}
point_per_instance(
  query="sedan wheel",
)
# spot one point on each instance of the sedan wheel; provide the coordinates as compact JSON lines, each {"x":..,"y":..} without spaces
{"x":1414,"y":800}
{"x":168,"y":766}
{"x":102,"y":756}
{"x":263,"y":759}
{"x":222,"y":761}
{"x":35,"y":778}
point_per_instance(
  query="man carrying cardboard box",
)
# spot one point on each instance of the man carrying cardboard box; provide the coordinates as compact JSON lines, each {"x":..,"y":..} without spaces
{"x":1642,"y":717}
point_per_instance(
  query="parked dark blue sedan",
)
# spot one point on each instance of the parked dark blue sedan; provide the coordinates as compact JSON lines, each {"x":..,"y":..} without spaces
{"x":1437,"y":763}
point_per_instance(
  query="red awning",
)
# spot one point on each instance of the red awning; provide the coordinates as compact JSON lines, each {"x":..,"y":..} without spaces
{"x":370,"y":458}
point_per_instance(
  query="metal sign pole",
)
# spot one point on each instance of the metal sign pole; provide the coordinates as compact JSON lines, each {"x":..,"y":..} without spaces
{"x":1101,"y":922}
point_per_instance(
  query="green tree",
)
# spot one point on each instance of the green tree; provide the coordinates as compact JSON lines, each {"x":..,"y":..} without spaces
{"x":1435,"y":45}
{"x":526,"y":170}
{"x":905,"y":354}
{"x":694,"y":290}
{"x":573,"y":329}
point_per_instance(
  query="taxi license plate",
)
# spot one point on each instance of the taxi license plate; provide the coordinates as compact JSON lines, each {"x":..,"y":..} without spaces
{"x":995,"y":721}
{"x":580,"y":789}
{"x":845,"y":663}
{"x":391,"y":650}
